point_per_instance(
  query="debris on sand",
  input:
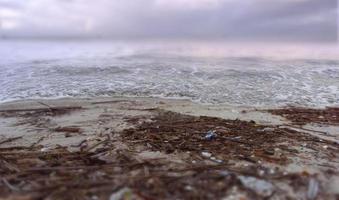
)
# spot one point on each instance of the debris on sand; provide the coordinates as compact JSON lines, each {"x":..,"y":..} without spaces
{"x":10,"y":140}
{"x":49,"y":111}
{"x":237,"y":140}
{"x":38,"y":117}
{"x":302,"y":116}
{"x":210,"y":135}
{"x":68,"y":129}
{"x":242,"y":158}
{"x":124,"y":194}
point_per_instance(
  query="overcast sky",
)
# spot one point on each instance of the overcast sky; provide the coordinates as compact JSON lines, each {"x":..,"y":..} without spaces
{"x":254,"y":20}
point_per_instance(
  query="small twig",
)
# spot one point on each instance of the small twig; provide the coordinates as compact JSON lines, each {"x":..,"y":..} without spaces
{"x":49,"y":107}
{"x":305,"y":129}
{"x":108,"y":102}
{"x":97,"y":144}
{"x":9,"y":166}
{"x":11,"y":187}
{"x":79,"y":145}
{"x":37,"y":142}
{"x":10,"y":140}
{"x":40,"y":109}
{"x":144,"y":109}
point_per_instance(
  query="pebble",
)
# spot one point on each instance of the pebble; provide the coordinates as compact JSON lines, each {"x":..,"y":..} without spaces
{"x":216,"y":160}
{"x":45,"y":149}
{"x":259,"y":186}
{"x":313,"y":189}
{"x":268,"y":129}
{"x":206,"y":154}
{"x":261,"y":172}
{"x":123,"y":193}
{"x":272,"y":171}
{"x":188,"y":188}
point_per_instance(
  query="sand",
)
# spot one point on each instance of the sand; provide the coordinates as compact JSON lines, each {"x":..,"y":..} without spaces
{"x":101,"y":116}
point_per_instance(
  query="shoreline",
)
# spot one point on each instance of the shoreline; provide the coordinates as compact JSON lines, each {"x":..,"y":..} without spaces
{"x":182,"y":106}
{"x":83,"y":124}
{"x":174,"y":98}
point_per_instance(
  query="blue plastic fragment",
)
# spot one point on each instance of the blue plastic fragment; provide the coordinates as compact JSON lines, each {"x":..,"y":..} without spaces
{"x":210,"y":135}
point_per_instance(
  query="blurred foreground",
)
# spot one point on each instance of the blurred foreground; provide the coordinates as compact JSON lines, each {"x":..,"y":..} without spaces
{"x":147,"y":148}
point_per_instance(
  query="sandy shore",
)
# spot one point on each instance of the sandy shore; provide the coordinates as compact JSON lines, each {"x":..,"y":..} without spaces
{"x":88,"y":121}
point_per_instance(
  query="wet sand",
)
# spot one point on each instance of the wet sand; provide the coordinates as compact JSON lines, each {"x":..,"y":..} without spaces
{"x":248,"y":153}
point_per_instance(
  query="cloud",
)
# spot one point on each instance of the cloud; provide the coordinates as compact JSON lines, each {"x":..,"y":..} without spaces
{"x":282,"y":20}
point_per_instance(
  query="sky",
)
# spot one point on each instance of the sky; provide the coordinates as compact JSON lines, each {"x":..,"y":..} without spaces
{"x":313,"y":21}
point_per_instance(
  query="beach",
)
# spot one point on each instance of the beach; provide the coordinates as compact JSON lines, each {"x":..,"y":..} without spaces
{"x":169,"y":100}
{"x":154,"y":148}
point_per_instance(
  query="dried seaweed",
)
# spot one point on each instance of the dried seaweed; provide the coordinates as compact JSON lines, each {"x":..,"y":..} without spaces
{"x":302,"y":116}
{"x":102,"y":170}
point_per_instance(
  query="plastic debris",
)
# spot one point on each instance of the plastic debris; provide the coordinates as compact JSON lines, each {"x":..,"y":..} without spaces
{"x":313,"y":189}
{"x":210,"y":135}
{"x":260,"y":187}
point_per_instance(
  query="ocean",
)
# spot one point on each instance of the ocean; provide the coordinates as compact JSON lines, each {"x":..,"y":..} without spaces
{"x":207,"y":73}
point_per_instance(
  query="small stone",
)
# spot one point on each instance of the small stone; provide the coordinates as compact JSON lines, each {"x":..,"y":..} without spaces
{"x":272,"y":171}
{"x":94,"y":197}
{"x":260,"y":187}
{"x":206,"y":154}
{"x":269,"y":151}
{"x":268,"y":129}
{"x":313,"y":189}
{"x":123,"y":194}
{"x":216,"y":160}
{"x":45,"y":149}
{"x":188,"y":188}
{"x":261,"y":172}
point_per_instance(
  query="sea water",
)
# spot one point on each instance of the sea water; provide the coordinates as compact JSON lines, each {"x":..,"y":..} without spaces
{"x":214,"y":73}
